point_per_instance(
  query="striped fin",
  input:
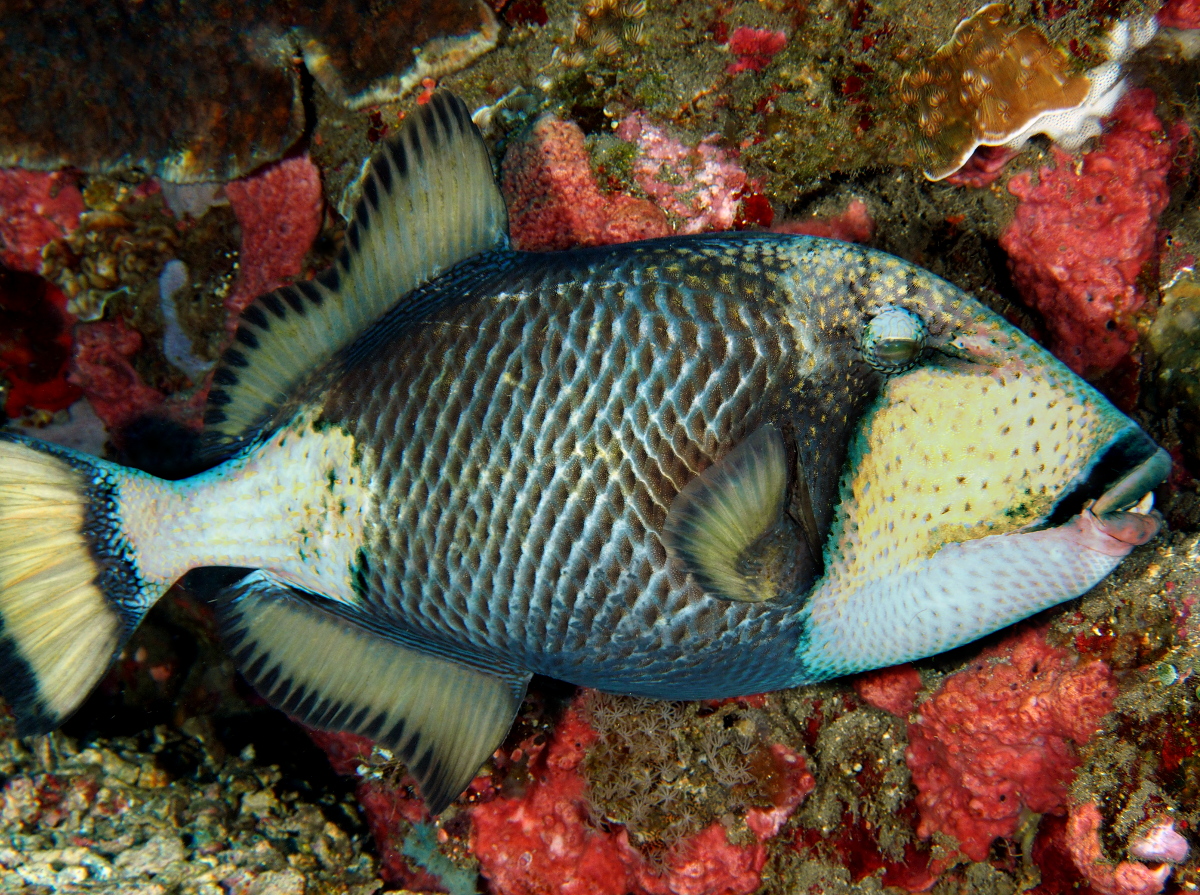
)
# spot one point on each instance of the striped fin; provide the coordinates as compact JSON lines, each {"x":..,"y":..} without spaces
{"x":429,"y":201}
{"x":729,"y":528}
{"x":442,"y":718}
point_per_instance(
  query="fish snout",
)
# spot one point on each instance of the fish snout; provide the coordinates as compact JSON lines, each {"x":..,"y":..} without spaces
{"x":1117,"y":533}
{"x":1123,"y":517}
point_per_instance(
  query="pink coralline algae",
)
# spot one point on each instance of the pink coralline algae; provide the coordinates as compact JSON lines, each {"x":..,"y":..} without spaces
{"x":702,"y":185}
{"x":892,"y":689}
{"x":754,"y":48}
{"x":35,"y":208}
{"x":1000,"y":738}
{"x":384,"y":804}
{"x":280,"y":210}
{"x":1083,"y":232}
{"x":554,"y":202}
{"x":853,"y":224}
{"x":1180,"y":14}
{"x":795,"y":782}
{"x":1105,"y":877}
{"x":102,"y":368}
{"x":541,"y":841}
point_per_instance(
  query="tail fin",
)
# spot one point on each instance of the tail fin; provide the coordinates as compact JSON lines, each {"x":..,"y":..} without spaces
{"x":71,"y":591}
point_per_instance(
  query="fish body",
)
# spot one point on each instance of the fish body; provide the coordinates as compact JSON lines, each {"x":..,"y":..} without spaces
{"x":685,"y":468}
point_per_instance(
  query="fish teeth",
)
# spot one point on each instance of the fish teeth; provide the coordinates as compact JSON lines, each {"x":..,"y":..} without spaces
{"x":1143,"y":506}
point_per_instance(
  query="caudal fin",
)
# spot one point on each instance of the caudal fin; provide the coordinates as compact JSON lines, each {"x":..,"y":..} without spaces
{"x":71,"y":591}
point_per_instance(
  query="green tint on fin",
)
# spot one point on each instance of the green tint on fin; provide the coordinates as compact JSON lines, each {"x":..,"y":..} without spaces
{"x":429,"y":201}
{"x":443,"y":719}
{"x":728,"y":527}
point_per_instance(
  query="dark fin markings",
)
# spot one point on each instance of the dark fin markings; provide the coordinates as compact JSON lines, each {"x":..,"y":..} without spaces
{"x":429,"y":201}
{"x":443,"y":718}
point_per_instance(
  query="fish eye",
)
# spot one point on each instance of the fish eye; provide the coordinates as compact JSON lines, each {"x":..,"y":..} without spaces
{"x":893,"y":340}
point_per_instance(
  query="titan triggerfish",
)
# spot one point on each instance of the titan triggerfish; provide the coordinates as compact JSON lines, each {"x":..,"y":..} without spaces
{"x":693,"y":467}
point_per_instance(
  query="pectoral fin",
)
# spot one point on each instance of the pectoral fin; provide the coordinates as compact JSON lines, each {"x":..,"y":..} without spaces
{"x":729,"y":529}
{"x":442,"y":718}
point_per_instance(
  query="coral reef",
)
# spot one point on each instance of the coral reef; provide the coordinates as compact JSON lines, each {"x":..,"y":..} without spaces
{"x":1125,"y":878}
{"x":996,"y":83}
{"x":604,"y":31}
{"x":1174,"y":347}
{"x":35,"y":208}
{"x":754,"y":48}
{"x":113,"y":252}
{"x":698,"y":186}
{"x":554,"y":202}
{"x":852,"y":224}
{"x":1000,"y":739}
{"x":101,"y":367}
{"x":569,"y":851}
{"x":892,"y":689}
{"x":387,"y":798}
{"x":1143,"y":767}
{"x":1179,"y":14}
{"x":169,"y":812}
{"x":1081,"y":235}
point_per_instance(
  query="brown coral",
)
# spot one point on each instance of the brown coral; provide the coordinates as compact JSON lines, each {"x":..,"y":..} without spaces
{"x":988,"y":86}
{"x":208,"y":90}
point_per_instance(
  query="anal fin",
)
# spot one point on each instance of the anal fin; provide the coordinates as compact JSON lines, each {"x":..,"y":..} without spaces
{"x":442,"y":718}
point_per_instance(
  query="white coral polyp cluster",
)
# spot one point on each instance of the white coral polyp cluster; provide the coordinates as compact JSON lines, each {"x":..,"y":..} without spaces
{"x":1071,"y":128}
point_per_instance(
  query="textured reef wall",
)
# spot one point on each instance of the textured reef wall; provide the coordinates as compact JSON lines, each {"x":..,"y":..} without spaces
{"x":1040,"y":156}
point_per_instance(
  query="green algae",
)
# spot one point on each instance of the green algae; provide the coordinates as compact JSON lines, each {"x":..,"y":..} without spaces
{"x":421,"y":847}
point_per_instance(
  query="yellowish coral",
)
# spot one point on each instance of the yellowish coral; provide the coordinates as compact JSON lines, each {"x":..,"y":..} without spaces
{"x":996,"y":83}
{"x":109,"y":254}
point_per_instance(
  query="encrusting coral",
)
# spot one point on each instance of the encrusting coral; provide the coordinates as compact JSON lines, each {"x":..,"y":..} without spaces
{"x":1001,"y":738}
{"x":996,"y":83}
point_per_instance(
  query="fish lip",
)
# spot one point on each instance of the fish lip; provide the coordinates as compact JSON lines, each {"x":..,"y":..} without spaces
{"x":1127,"y":491}
{"x":1129,"y":461}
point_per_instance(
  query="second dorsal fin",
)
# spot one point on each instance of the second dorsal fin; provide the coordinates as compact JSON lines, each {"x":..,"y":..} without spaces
{"x":429,"y":201}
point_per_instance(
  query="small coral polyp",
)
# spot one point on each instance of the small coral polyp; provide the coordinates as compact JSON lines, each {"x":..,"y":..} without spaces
{"x":996,"y":83}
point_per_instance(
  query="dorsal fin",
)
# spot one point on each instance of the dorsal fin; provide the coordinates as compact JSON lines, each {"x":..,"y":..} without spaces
{"x":429,"y":201}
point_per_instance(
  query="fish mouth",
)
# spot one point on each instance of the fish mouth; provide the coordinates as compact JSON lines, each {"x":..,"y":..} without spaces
{"x":1136,"y":487}
{"x":1129,"y":467}
{"x":1123,"y":517}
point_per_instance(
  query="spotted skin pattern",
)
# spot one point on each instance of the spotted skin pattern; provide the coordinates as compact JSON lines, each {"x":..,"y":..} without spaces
{"x":527,"y":440}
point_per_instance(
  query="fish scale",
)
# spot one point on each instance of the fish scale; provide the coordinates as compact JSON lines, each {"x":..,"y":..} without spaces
{"x":552,"y":566}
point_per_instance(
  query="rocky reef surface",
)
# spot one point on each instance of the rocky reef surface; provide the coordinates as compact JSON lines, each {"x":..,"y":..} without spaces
{"x":1059,"y":756}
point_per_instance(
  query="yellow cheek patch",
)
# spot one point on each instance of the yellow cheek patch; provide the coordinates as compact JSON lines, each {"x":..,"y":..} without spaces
{"x":951,"y":455}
